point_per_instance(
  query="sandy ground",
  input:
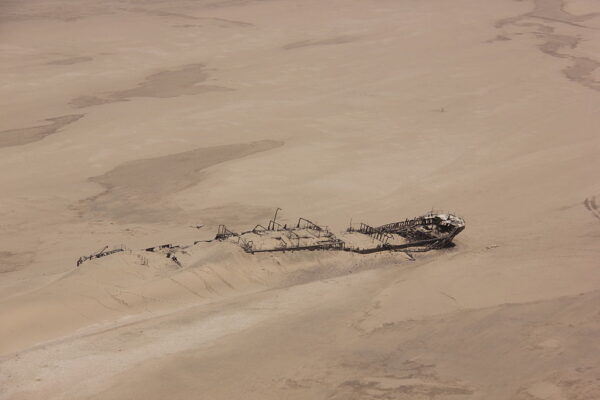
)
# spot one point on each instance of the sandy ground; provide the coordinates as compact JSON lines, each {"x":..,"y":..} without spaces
{"x":132,"y":122}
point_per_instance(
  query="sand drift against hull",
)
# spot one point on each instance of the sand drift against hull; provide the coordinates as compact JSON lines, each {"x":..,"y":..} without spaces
{"x":433,"y":230}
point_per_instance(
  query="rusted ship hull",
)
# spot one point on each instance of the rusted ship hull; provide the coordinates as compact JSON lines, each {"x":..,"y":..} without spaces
{"x":424,"y":233}
{"x":430,"y":231}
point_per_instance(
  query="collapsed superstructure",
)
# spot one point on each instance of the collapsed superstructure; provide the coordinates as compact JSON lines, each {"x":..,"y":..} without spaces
{"x":433,"y":230}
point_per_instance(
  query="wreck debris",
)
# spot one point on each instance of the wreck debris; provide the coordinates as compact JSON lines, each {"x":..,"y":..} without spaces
{"x":224,"y":233}
{"x":159,"y":247}
{"x":247,"y":245}
{"x":437,"y":228}
{"x":169,"y":250}
{"x":424,"y":233}
{"x":433,"y":230}
{"x":430,"y":231}
{"x":102,"y":253}
{"x":273,"y":223}
{"x":306,"y":235}
{"x":376,"y":233}
{"x":259,"y":228}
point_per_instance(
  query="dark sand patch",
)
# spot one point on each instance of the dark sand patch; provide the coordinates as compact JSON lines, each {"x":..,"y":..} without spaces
{"x":591,"y":205}
{"x":498,"y":38}
{"x":188,"y":26}
{"x":173,"y":83}
{"x":170,"y":14}
{"x":541,"y":27}
{"x":232,"y":22}
{"x":182,"y":81}
{"x":70,"y":61}
{"x":582,"y":68}
{"x":89,"y":101}
{"x":21,"y":136}
{"x":406,"y":349}
{"x":220,"y":22}
{"x":553,"y":10}
{"x":159,"y":13}
{"x":556,"y":45}
{"x":233,"y":3}
{"x":581,"y":72}
{"x":397,"y":387}
{"x":16,"y":11}
{"x":137,"y":191}
{"x":549,"y":10}
{"x":321,"y":42}
{"x":10,"y":261}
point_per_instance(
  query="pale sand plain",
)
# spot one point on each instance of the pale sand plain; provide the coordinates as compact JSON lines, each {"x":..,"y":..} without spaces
{"x":131,"y":122}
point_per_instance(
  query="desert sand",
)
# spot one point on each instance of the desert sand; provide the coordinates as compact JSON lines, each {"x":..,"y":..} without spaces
{"x":137,"y":123}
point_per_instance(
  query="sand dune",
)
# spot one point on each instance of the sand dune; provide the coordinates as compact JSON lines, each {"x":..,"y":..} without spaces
{"x":200,"y":113}
{"x":143,"y":283}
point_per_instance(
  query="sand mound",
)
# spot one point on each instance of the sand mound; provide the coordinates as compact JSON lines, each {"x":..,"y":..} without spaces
{"x":143,"y":284}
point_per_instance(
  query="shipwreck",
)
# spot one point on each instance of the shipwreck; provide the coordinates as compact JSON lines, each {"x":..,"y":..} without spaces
{"x":433,"y":230}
